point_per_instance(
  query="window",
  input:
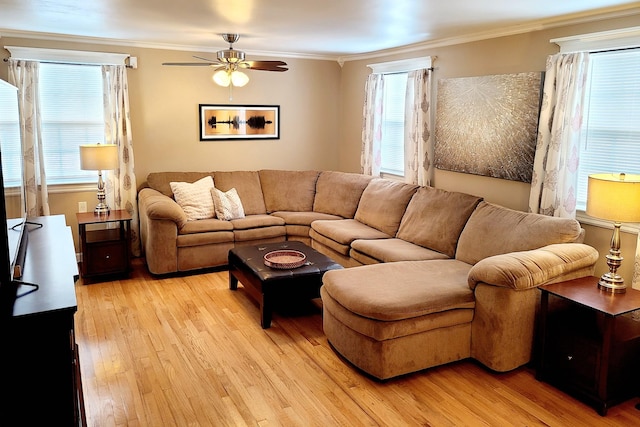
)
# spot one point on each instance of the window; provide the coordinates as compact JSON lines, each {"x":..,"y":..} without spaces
{"x":611,"y":128}
{"x":10,"y":135}
{"x":72,"y":114}
{"x":392,"y":146}
{"x":71,"y":107}
{"x":393,"y":120}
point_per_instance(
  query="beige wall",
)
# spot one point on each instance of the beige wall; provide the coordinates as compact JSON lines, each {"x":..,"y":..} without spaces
{"x":321,"y":114}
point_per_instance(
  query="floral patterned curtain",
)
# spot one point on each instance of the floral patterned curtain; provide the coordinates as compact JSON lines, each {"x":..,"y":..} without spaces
{"x":121,"y":183}
{"x":25,"y":76}
{"x":418,"y":155}
{"x":553,"y":186}
{"x":371,"y":156}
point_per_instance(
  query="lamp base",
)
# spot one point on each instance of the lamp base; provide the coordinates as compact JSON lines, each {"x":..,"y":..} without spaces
{"x":612,"y":283}
{"x":101,"y":209}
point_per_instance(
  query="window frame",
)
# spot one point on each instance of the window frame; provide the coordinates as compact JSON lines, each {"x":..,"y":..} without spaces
{"x":620,"y":39}
{"x":73,"y":57}
{"x":396,"y":67}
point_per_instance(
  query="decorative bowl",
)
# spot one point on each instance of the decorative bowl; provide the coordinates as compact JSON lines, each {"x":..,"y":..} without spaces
{"x":284,"y":259}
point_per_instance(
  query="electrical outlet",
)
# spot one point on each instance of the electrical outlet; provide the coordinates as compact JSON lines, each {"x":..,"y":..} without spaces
{"x":82,"y":206}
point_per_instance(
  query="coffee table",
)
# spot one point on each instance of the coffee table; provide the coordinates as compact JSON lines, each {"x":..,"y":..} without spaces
{"x":267,"y":285}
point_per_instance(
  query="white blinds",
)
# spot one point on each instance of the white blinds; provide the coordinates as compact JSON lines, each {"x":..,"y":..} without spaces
{"x":10,"y":135}
{"x":611,"y":128}
{"x":72,"y":114}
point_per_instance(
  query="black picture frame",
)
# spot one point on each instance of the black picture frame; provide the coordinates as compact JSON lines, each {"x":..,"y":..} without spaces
{"x":220,"y":122}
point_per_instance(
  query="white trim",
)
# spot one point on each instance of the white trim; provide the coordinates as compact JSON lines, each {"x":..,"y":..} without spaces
{"x":66,"y":56}
{"x":583,"y":218}
{"x":615,"y":39}
{"x":401,"y":66}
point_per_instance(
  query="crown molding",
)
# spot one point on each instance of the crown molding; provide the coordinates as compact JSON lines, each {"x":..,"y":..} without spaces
{"x":585,"y":17}
{"x":501,"y":32}
{"x":148,"y":45}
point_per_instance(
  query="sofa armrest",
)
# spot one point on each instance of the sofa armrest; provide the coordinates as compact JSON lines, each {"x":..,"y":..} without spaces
{"x":158,"y":206}
{"x":529,"y":269}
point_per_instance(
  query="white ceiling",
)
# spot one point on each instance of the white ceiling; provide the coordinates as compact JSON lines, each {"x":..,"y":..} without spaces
{"x":307,"y":28}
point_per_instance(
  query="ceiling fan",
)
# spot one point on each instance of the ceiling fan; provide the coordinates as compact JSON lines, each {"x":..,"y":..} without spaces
{"x":229,"y":62}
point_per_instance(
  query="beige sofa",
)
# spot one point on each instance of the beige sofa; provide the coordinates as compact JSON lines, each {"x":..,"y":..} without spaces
{"x":437,"y":276}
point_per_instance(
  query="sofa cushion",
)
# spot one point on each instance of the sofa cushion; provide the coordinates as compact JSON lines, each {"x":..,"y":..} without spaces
{"x":494,"y":230}
{"x":227,"y":205}
{"x":205,"y":226}
{"x":383,"y":203}
{"x":338,"y":193}
{"x":345,"y":231}
{"x":435,"y":218}
{"x":160,"y":181}
{"x":303,"y":218}
{"x":401,"y":290}
{"x":288,"y":190}
{"x":256,"y":221}
{"x":391,"y":250}
{"x":195,"y":198}
{"x":247,"y":184}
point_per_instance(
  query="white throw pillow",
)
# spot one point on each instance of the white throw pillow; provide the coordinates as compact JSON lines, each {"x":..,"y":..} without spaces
{"x":227,"y":205}
{"x":194,"y":198}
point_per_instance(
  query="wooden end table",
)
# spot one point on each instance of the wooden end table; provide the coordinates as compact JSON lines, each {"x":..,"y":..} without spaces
{"x":106,"y":249}
{"x":589,"y":343}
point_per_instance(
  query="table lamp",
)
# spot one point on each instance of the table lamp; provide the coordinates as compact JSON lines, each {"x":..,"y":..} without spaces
{"x":614,"y":197}
{"x":99,"y":157}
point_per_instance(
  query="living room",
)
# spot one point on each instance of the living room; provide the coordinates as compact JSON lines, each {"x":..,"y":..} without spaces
{"x":321,"y":115}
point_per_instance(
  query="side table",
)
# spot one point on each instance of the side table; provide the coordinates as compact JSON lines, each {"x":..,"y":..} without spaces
{"x":589,"y":344}
{"x":105,"y":242}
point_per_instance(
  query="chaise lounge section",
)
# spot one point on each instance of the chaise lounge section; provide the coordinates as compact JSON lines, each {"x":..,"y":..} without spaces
{"x":434,"y":276}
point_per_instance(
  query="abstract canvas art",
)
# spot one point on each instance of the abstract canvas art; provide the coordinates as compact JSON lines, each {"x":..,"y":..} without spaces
{"x":488,"y":125}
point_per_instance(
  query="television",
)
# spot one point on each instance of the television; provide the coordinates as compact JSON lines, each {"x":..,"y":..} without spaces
{"x":13,"y":213}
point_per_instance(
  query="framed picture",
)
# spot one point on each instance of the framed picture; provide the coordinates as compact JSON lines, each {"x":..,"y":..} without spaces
{"x":228,"y":122}
{"x":488,"y":125}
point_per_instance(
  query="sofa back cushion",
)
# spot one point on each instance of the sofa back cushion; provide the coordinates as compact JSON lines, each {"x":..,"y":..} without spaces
{"x":494,"y":230}
{"x":288,"y":190}
{"x":383,"y":203}
{"x":247,"y":185}
{"x":338,"y":193}
{"x":435,"y":218}
{"x":160,"y":181}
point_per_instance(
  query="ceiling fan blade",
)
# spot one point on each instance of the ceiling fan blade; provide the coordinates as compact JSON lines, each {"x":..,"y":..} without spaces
{"x":206,"y":59}
{"x":191,"y":64}
{"x":264,"y":65}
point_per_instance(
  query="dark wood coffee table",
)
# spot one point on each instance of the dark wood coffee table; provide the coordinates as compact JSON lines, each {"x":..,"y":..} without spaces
{"x":266,"y":284}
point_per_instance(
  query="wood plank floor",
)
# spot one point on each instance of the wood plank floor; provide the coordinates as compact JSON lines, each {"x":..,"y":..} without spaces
{"x":187,"y":351}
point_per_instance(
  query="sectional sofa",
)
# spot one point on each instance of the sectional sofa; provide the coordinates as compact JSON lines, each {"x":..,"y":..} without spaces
{"x":434,"y":276}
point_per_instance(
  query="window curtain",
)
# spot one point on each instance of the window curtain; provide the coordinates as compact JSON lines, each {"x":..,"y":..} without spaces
{"x":25,"y":76}
{"x":418,"y":154}
{"x":120,"y":183}
{"x":554,"y":181}
{"x":635,"y":282}
{"x":371,"y":156}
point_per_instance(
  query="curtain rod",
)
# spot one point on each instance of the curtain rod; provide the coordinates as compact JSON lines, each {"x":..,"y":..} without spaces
{"x":70,"y":63}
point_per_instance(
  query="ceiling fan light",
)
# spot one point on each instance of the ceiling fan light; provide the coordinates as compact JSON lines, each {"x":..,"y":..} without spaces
{"x":239,"y":79}
{"x":221,"y":78}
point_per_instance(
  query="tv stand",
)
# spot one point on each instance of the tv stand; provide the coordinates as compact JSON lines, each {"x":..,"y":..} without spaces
{"x":39,"y":349}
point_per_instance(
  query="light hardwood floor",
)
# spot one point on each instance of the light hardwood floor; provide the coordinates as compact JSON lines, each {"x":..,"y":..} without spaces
{"x":187,"y":351}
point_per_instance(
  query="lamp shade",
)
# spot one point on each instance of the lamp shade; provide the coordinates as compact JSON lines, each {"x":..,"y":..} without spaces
{"x":221,"y":78}
{"x":98,"y":157}
{"x":239,"y":79}
{"x":614,"y":196}
{"x":226,"y":77}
